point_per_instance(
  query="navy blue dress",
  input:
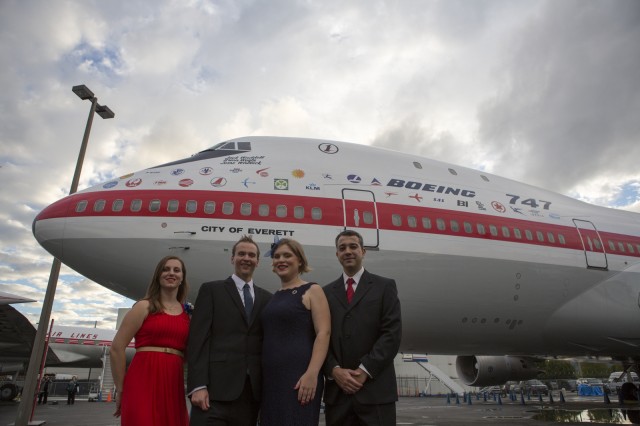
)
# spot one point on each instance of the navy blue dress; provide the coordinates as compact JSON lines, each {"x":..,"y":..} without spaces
{"x":288,"y":343}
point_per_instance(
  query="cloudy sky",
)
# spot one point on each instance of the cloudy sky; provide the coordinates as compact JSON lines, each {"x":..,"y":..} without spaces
{"x":545,"y":92}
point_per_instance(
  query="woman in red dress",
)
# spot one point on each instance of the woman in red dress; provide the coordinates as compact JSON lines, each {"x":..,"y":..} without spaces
{"x":152,"y":390}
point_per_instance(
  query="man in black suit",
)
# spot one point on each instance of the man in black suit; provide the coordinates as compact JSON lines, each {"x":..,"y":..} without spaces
{"x":366,"y":328}
{"x":225,"y":345}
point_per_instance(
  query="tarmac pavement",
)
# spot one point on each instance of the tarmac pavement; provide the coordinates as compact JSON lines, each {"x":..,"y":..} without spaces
{"x":427,"y":411}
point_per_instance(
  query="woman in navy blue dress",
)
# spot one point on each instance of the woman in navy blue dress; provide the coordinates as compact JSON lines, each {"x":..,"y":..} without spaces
{"x":297,"y":326}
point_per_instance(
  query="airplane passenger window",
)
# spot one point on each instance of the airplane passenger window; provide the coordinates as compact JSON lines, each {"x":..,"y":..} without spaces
{"x":117,"y":205}
{"x":396,"y":219}
{"x":455,"y":227}
{"x":493,"y":230}
{"x":316,"y":213}
{"x":630,"y":247}
{"x":563,"y":241}
{"x":540,"y":236}
{"x":505,"y":232}
{"x":528,"y":234}
{"x":440,"y":224}
{"x":298,"y":212}
{"x":281,"y":210}
{"x":426,"y":223}
{"x":638,"y":247}
{"x":411,"y":220}
{"x":263,"y":210}
{"x":550,"y":237}
{"x":154,"y":205}
{"x":417,"y":165}
{"x":227,"y":207}
{"x":245,"y":209}
{"x":611,"y":246}
{"x":596,"y":242}
{"x":209,"y":207}
{"x":172,"y":206}
{"x":367,"y":217}
{"x":467,"y":227}
{"x":192,"y":206}
{"x":136,"y":205}
{"x":81,"y":206}
{"x":453,"y":172}
{"x":620,"y":245}
{"x":480,"y":228}
{"x":99,"y":205}
{"x":517,"y":233}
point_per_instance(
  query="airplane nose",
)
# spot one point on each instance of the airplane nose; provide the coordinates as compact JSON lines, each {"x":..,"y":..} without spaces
{"x":49,"y":226}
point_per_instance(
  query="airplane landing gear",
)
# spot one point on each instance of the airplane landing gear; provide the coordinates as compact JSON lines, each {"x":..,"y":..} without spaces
{"x":8,"y":392}
{"x":629,"y":392}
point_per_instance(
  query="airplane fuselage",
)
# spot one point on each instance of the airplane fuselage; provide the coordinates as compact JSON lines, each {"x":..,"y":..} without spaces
{"x":484,"y":265}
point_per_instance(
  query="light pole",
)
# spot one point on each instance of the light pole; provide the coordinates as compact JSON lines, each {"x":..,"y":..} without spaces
{"x":27,"y":403}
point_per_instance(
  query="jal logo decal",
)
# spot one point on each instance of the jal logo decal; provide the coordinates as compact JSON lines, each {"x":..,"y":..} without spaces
{"x":185,"y":182}
{"x":281,"y":184}
{"x":133,"y":182}
{"x":177,"y":172}
{"x":328,"y":148}
{"x":110,"y":184}
{"x":206,"y":171}
{"x":354,"y":179}
{"x":217,"y":182}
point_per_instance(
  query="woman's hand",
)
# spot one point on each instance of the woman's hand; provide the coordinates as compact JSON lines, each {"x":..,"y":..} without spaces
{"x":306,"y":387}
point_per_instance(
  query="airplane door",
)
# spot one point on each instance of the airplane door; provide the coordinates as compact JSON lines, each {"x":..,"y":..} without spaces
{"x":592,"y":244}
{"x":361,"y":214}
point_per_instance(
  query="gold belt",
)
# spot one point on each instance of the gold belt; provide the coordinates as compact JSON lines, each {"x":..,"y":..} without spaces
{"x":160,"y":349}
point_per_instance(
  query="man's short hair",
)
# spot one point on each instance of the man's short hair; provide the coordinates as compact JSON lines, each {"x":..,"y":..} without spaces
{"x":350,"y":233}
{"x":245,"y":239}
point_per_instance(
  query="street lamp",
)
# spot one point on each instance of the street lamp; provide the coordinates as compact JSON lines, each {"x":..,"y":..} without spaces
{"x":27,"y":403}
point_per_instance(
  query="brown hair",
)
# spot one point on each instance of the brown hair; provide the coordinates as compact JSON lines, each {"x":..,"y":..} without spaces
{"x":153,"y":291}
{"x":350,"y":233}
{"x":297,"y":249}
{"x":245,"y":239}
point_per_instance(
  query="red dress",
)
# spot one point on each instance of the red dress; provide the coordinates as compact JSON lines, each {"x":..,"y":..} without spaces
{"x":153,"y":389}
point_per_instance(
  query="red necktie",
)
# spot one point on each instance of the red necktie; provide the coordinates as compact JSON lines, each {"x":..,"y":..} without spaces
{"x":350,"y":283}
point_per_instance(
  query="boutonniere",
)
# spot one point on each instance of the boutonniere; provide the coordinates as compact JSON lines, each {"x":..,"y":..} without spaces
{"x":188,"y":308}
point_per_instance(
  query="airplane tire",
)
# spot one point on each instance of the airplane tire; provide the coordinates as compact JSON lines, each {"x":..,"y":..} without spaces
{"x":8,"y":392}
{"x":629,"y":392}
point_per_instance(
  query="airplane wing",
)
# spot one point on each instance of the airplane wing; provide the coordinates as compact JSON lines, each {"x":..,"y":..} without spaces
{"x":8,"y":298}
{"x":16,"y":339}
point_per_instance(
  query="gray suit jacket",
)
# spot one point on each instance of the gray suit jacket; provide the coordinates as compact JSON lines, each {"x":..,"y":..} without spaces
{"x":224,"y":346}
{"x":367,"y":331}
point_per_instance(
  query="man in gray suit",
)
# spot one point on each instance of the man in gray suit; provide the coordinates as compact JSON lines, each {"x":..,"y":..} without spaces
{"x":225,"y":345}
{"x":366,"y":328}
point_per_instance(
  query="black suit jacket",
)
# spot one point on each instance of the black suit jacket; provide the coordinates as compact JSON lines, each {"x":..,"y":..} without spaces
{"x":367,"y":331}
{"x":224,"y":346}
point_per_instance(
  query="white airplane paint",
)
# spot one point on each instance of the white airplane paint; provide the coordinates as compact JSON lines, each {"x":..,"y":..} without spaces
{"x":487,"y":268}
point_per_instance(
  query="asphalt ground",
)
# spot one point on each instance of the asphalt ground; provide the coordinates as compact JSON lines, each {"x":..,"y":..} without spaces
{"x":426,"y":411}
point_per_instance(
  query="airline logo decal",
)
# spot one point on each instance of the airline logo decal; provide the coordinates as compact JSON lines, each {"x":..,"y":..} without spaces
{"x":440,"y":189}
{"x":246,"y":183}
{"x":328,"y":148}
{"x":206,"y":171}
{"x":497,"y":206}
{"x":375,"y":182}
{"x":281,"y":184}
{"x":297,"y":173}
{"x":217,"y":182}
{"x":313,"y":187}
{"x":327,"y":176}
{"x":480,"y":206}
{"x":160,"y":182}
{"x":354,"y":178}
{"x":177,"y":172}
{"x":127,"y":176}
{"x":110,"y":184}
{"x":263,"y":172}
{"x":185,"y":182}
{"x":417,"y":197}
{"x":235,"y":170}
{"x":133,"y":182}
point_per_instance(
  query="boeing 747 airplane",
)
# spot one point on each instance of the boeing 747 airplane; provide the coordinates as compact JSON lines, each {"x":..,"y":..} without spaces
{"x":491,"y":269}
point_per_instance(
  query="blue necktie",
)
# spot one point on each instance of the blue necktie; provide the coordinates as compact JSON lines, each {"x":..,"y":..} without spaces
{"x":248,"y":300}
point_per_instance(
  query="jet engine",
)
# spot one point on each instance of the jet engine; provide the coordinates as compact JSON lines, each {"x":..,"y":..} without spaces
{"x":495,"y":370}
